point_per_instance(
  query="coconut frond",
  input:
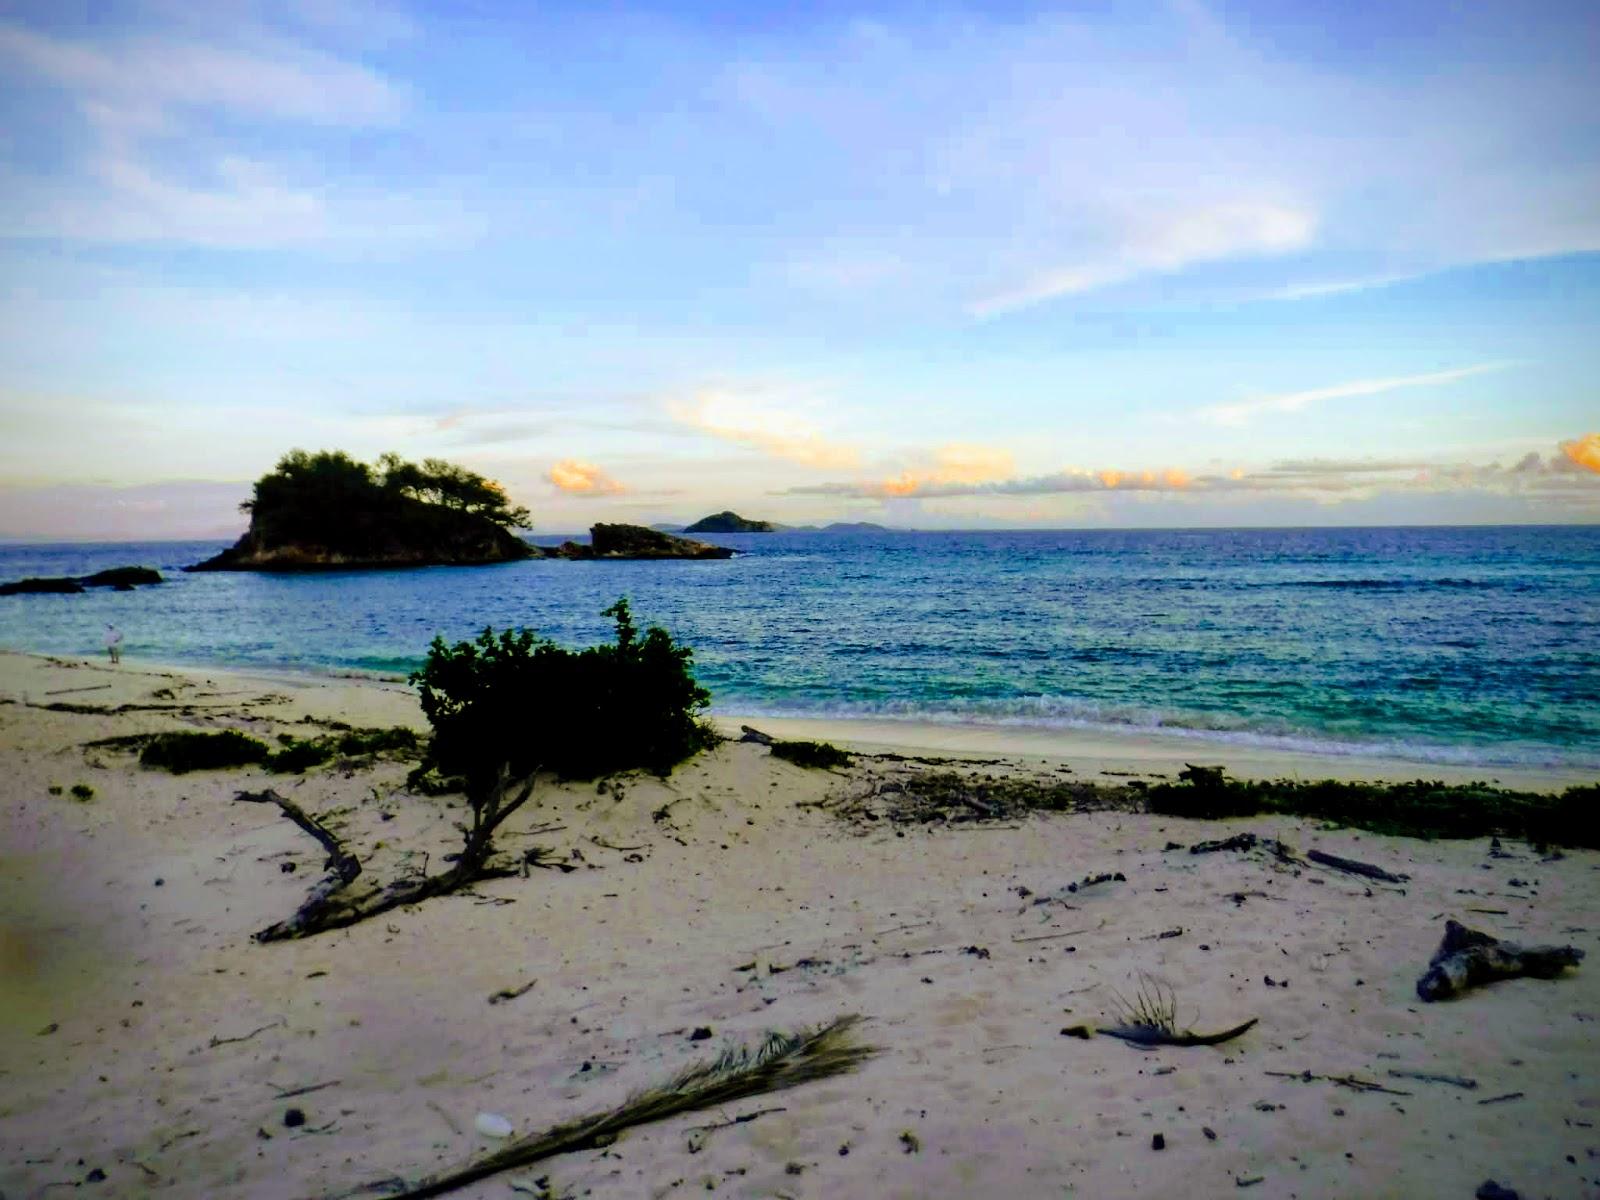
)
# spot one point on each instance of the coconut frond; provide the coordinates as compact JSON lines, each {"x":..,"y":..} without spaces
{"x":781,"y":1061}
{"x":1151,"y":1019}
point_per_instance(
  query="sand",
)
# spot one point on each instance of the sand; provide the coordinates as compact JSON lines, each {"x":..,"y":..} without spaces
{"x":145,"y":1036}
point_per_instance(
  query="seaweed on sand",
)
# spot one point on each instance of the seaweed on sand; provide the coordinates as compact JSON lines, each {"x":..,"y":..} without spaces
{"x":1151,"y":1019}
{"x":781,"y":1061}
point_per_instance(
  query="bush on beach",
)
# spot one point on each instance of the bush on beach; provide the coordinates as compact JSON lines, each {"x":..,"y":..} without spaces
{"x":523,"y":701}
{"x":1418,"y":808}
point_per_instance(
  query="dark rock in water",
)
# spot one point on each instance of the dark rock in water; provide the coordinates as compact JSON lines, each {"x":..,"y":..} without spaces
{"x":26,"y":587}
{"x":1490,"y":1190}
{"x":121,"y":577}
{"x":444,"y":538}
{"x":634,"y":541}
{"x":729,"y":522}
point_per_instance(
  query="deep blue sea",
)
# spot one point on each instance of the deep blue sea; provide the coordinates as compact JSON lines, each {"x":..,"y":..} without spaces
{"x":1470,"y":645}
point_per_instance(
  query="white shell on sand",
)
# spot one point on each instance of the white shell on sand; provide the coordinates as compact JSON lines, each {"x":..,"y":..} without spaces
{"x":493,"y":1125}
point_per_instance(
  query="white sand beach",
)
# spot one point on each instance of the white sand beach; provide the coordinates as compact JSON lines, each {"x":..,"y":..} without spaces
{"x":149,"y":1047}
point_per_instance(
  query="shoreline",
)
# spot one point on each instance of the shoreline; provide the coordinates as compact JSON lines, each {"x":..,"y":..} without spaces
{"x":1089,"y":752}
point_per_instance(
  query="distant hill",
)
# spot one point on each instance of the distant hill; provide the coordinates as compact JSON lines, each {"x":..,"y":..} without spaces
{"x":328,"y":510}
{"x":855,"y":527}
{"x":729,"y":522}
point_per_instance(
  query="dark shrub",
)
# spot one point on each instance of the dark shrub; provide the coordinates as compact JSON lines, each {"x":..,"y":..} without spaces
{"x":1206,"y":793}
{"x":517,"y":699}
{"x":394,"y":740}
{"x":182,"y":752}
{"x":296,"y":756}
{"x":810,"y":754}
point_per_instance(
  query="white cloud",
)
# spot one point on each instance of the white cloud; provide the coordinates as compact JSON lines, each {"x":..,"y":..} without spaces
{"x":1244,"y":411}
{"x":768,"y":424}
{"x":1169,"y":245}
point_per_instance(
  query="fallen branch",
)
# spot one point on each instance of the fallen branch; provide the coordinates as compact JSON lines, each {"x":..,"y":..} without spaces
{"x":222,"y":1041}
{"x":1348,"y":1081}
{"x":781,"y":1062}
{"x":1050,"y":937}
{"x":1460,"y":1081}
{"x":1504,"y":1098}
{"x":307,"y":1090}
{"x":1467,"y":958}
{"x":1351,"y":866}
{"x":327,"y":908}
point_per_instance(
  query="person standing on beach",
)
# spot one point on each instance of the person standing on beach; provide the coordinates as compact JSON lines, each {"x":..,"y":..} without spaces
{"x":114,"y":644}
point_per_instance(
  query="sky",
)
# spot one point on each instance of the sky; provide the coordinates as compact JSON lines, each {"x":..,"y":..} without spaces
{"x":1192,"y":263}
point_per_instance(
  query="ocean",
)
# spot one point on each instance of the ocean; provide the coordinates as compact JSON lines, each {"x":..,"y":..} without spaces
{"x":1450,"y":645}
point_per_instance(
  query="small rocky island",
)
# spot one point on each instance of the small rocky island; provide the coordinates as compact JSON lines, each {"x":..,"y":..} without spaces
{"x":633,"y":541}
{"x":122,"y":579}
{"x":326,"y":510}
{"x":730,"y":522}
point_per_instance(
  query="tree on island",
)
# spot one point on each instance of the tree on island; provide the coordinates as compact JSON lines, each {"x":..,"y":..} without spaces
{"x":328,"y":509}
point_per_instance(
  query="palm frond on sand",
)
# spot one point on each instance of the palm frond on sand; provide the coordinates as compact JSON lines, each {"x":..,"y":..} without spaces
{"x":783,"y":1060}
{"x":1151,"y":1019}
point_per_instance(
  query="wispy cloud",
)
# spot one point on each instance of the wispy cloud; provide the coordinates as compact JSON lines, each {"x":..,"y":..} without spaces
{"x":1564,"y":472}
{"x":579,"y":478}
{"x":1166,"y":246}
{"x":156,"y":170}
{"x":760,"y":423}
{"x":1244,"y":411}
{"x":278,"y":79}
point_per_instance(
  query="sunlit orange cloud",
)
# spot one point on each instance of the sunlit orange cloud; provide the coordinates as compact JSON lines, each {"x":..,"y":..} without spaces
{"x":958,"y":462}
{"x":583,"y":479}
{"x":1172,"y":478}
{"x":737,"y":418}
{"x":1585,"y":451}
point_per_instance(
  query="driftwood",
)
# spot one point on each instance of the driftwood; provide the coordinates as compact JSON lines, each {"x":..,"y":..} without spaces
{"x":1467,"y":958}
{"x":342,"y":866}
{"x":329,"y":906}
{"x":1351,"y":866}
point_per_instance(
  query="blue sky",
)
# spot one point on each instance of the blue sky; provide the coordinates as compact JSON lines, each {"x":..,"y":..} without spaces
{"x":1011,"y":264}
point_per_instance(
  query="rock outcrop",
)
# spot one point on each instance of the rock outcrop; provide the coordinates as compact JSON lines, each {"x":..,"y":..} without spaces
{"x":634,"y":541}
{"x":729,"y":522}
{"x":442,"y":538}
{"x":123,"y":579}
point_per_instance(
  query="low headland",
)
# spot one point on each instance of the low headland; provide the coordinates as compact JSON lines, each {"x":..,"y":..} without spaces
{"x":1041,"y":937}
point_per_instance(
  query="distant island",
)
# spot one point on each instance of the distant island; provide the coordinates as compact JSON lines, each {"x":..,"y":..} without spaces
{"x":855,"y":527}
{"x":326,"y":510}
{"x":730,"y":522}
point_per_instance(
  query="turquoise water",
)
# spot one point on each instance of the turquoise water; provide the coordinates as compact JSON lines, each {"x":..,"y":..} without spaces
{"x":1477,"y":645}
